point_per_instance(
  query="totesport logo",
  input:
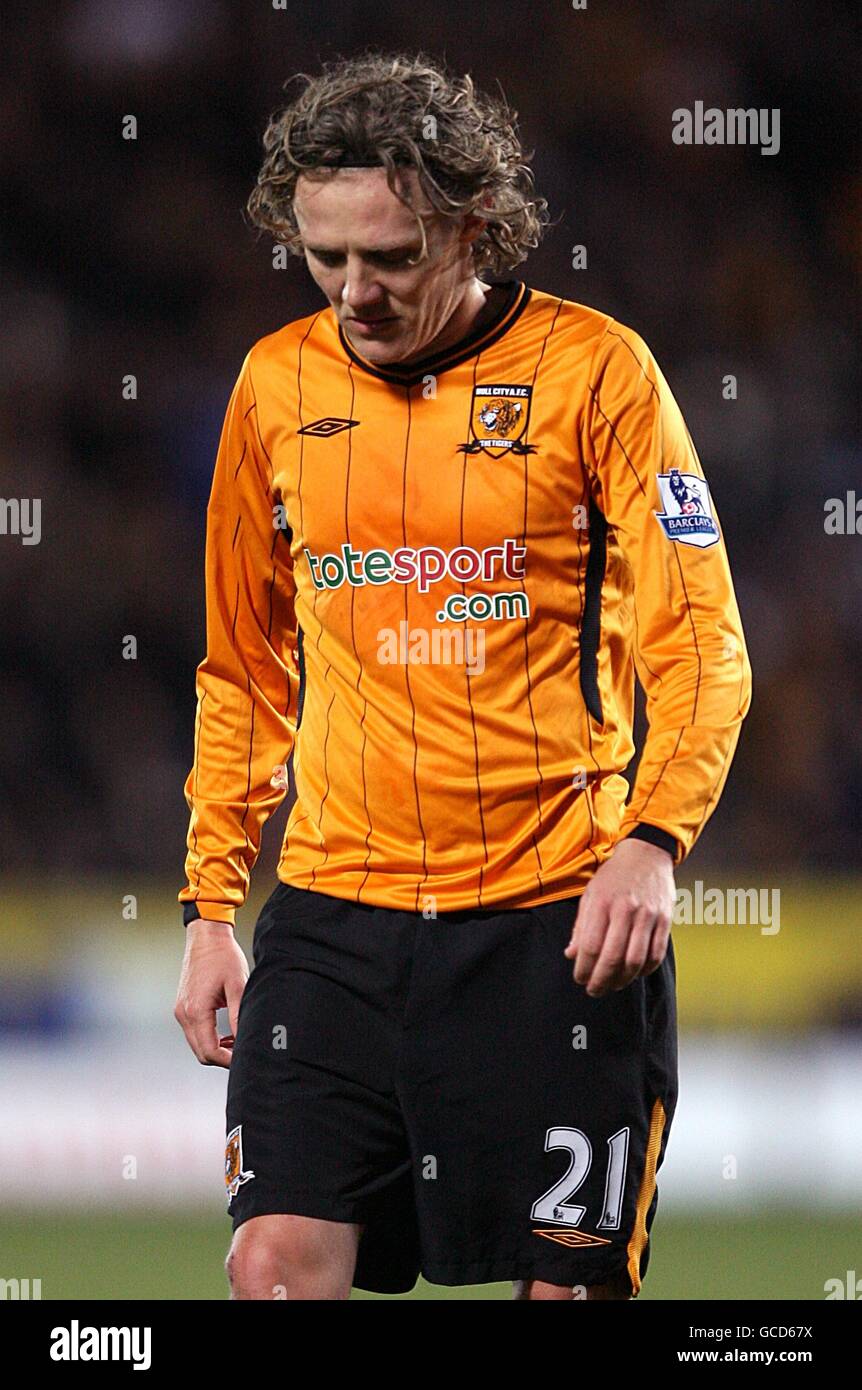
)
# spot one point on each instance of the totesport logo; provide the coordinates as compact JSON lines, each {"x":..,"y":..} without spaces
{"x":429,"y":565}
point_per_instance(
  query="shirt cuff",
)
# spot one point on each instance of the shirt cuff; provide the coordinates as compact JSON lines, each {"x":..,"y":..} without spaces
{"x":660,"y":838}
{"x":213,"y":912}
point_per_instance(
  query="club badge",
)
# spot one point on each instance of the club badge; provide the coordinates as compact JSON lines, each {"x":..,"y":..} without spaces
{"x":498,"y":421}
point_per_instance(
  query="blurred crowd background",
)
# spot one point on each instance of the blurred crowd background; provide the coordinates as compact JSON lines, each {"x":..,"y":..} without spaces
{"x":132,"y":257}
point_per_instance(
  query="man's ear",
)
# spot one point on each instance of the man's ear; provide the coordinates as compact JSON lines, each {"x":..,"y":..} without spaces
{"x":474,"y":222}
{"x":471,"y":227}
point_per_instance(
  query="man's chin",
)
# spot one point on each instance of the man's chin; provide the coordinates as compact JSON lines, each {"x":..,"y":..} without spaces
{"x":388,"y":348}
{"x":378,"y":351}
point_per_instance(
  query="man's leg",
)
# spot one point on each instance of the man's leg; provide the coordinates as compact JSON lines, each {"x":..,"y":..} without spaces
{"x":532,"y":1290}
{"x":314,"y":1124}
{"x":292,"y":1257}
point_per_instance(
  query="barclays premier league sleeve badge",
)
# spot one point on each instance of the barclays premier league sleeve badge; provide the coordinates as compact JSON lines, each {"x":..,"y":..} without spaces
{"x":687,"y":509}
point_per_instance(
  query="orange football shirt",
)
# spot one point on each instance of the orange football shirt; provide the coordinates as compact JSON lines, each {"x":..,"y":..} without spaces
{"x":433,"y":587}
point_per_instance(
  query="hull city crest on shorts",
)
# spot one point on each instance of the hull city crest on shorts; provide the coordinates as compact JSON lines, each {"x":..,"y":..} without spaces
{"x":687,"y":516}
{"x":498,"y":421}
{"x":234,"y":1173}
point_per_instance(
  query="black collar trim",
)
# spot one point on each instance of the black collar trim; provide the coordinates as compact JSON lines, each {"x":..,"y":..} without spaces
{"x":516,"y":301}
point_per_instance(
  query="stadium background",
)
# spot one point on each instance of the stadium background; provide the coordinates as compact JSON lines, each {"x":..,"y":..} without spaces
{"x":125,"y":257}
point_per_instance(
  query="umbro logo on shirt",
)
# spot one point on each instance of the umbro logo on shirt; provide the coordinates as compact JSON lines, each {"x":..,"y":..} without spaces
{"x":330,"y":424}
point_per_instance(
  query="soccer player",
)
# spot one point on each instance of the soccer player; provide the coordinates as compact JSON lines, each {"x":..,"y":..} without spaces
{"x":449,"y":521}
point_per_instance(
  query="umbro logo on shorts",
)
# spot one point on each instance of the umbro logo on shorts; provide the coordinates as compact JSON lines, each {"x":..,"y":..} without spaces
{"x":572,"y":1237}
{"x":330,"y":424}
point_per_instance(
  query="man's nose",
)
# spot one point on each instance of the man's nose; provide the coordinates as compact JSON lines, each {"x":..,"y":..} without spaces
{"x":361,"y":289}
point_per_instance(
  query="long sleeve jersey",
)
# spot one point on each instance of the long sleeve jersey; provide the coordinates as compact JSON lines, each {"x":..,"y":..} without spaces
{"x":433,"y":587}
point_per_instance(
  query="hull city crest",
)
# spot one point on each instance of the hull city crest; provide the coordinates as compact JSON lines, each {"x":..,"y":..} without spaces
{"x":234,"y":1172}
{"x":498,"y":421}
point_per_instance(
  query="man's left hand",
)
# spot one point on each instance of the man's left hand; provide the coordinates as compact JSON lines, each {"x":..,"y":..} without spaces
{"x":624,"y":917}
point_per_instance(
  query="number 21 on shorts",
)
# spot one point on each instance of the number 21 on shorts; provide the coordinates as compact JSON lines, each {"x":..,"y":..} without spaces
{"x":556,"y":1204}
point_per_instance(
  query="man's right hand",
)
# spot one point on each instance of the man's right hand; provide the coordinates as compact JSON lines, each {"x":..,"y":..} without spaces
{"x":213,"y":977}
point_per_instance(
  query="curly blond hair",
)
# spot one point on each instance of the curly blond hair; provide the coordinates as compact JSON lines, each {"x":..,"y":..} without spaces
{"x":398,"y":109}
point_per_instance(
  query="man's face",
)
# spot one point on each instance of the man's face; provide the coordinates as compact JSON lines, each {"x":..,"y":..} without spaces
{"x":358,"y":240}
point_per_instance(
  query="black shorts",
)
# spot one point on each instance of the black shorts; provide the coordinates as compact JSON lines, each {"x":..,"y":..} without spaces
{"x":446,"y":1084}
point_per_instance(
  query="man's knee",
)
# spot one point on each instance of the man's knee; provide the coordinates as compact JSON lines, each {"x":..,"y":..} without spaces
{"x":291,"y":1257}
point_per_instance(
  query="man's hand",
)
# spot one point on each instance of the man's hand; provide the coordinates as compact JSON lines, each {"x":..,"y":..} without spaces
{"x":213,"y":977}
{"x":624,"y":916}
